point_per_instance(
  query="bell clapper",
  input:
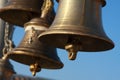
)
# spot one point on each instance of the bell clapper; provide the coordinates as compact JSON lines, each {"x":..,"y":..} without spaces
{"x":72,"y":51}
{"x":35,"y":68}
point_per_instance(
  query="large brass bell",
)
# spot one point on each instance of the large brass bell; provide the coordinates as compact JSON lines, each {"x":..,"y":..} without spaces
{"x":78,"y":27}
{"x":34,"y":53}
{"x":18,"y":12}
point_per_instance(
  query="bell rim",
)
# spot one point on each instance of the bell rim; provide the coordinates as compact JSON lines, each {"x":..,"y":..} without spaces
{"x":4,"y":11}
{"x":20,"y":52}
{"x":51,"y":33}
{"x":18,"y":7}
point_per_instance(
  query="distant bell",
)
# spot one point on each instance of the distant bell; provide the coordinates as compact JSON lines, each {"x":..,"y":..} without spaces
{"x":6,"y":69}
{"x":78,"y":27}
{"x":5,"y":65}
{"x":18,"y":12}
{"x":34,"y":53}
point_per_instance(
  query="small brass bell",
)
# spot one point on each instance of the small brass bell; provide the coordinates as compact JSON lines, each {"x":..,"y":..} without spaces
{"x":78,"y":27}
{"x":18,"y":12}
{"x":34,"y":53}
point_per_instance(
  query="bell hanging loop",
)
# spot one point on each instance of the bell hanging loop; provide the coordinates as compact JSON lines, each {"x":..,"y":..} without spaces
{"x":72,"y":51}
{"x":81,"y":26}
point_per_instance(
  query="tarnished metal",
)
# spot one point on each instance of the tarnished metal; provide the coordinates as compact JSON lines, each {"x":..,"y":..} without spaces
{"x":6,"y":65}
{"x":18,"y":12}
{"x":78,"y":27}
{"x":32,"y":52}
{"x":38,"y":55}
{"x":6,"y":69}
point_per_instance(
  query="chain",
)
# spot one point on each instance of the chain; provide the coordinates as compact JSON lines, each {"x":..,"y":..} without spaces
{"x":46,"y":8}
{"x":8,"y":44}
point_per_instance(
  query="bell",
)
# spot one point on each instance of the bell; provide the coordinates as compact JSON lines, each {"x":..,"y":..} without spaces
{"x":78,"y":27}
{"x":6,"y":65}
{"x":34,"y":53}
{"x":6,"y":69}
{"x":18,"y":12}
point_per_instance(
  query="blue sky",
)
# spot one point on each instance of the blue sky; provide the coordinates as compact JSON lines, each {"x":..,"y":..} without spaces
{"x":88,"y":65}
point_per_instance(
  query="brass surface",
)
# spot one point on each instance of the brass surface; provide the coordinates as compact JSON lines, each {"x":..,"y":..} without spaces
{"x":6,"y":65}
{"x":35,"y":68}
{"x":18,"y":12}
{"x":31,"y":50}
{"x":78,"y":22}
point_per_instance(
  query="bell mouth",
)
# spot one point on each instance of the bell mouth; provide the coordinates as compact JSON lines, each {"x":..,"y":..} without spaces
{"x":88,"y":42}
{"x":27,"y":57}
